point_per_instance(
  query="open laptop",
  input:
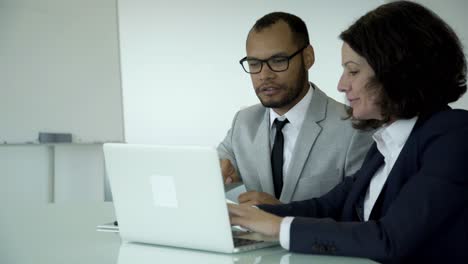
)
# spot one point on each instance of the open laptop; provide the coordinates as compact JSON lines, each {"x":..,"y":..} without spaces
{"x":174,"y":196}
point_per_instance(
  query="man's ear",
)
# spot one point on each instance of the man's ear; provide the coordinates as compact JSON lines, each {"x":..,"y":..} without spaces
{"x":309,"y":57}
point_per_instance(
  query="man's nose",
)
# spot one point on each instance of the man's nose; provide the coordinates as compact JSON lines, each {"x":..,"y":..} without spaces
{"x":266,"y":72}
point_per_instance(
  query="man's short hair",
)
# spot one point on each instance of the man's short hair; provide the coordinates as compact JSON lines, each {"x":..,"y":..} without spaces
{"x":297,"y":26}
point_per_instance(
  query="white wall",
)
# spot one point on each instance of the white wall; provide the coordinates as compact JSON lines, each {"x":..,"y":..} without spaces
{"x":47,"y":173}
{"x":181,"y":79}
{"x":454,"y":13}
{"x":24,"y":174}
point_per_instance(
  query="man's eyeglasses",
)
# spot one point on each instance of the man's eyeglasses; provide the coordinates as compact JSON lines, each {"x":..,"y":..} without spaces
{"x":275,"y":63}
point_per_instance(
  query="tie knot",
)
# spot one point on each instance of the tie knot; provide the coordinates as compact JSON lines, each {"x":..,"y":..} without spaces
{"x":280,"y":124}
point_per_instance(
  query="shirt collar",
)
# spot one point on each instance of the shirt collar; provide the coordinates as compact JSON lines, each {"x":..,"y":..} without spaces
{"x":296,"y":114}
{"x":394,"y":136}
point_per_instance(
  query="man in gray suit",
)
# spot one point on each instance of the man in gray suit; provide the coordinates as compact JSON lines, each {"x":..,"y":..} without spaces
{"x":295,"y":145}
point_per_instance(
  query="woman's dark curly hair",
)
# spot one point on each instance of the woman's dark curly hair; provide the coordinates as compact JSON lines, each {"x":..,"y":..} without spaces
{"x":417,"y":58}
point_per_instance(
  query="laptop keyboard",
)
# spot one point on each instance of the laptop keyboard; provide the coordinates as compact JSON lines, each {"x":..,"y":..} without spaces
{"x":239,"y":242}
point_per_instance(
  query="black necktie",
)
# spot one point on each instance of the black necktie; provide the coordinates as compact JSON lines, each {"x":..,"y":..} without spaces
{"x":277,"y":157}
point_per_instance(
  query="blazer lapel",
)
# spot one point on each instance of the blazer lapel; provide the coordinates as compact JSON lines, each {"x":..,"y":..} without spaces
{"x":309,"y":132}
{"x":263,"y":153}
{"x":372,"y":163}
{"x":404,"y":165}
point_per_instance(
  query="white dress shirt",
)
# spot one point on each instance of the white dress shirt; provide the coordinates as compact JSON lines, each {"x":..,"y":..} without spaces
{"x":390,"y":141}
{"x":295,"y":116}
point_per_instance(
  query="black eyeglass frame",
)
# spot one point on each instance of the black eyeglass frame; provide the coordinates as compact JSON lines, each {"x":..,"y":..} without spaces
{"x":288,"y":58}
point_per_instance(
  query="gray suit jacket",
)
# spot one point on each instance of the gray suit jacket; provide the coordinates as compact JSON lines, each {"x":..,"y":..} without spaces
{"x":327,"y":149}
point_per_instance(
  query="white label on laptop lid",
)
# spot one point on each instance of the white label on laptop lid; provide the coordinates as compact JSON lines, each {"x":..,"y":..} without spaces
{"x":164,"y":191}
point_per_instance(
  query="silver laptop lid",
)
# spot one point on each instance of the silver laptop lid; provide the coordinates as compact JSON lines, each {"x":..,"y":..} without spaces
{"x":169,"y":195}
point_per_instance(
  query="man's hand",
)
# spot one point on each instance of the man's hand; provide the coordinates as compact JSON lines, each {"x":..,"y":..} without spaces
{"x":256,"y":198}
{"x":255,"y":219}
{"x":229,"y":172}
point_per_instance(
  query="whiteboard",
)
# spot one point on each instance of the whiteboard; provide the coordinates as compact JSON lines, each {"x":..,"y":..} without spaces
{"x":59,"y":70}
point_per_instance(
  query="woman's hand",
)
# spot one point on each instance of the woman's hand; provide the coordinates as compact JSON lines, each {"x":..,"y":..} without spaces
{"x":255,"y":219}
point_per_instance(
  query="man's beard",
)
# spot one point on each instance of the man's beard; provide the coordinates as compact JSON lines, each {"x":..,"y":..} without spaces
{"x":291,"y":95}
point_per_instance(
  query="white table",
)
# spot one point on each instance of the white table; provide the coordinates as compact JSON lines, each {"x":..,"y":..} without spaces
{"x":66,"y":234}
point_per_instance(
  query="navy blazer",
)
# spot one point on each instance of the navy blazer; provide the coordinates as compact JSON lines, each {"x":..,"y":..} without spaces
{"x":421,"y":214}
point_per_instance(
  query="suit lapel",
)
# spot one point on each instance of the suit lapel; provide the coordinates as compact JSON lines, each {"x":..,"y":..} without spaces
{"x":263,"y":152}
{"x":372,"y":163}
{"x":309,"y":132}
{"x":405,"y":164}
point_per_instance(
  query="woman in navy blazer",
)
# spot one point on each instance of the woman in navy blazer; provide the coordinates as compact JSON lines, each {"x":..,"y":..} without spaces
{"x":409,"y":201}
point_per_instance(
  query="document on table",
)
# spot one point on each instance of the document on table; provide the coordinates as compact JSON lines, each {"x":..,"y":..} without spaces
{"x":108,"y":227}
